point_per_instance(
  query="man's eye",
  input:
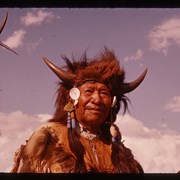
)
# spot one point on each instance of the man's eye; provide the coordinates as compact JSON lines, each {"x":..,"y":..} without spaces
{"x":88,"y":91}
{"x":105,"y":93}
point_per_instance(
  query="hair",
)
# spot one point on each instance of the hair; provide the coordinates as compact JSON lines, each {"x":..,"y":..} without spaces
{"x":104,"y":68}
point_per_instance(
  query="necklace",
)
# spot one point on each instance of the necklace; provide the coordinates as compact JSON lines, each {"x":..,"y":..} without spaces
{"x":90,"y":136}
{"x":86,"y":133}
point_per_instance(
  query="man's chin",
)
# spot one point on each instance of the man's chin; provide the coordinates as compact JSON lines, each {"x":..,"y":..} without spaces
{"x":94,"y":117}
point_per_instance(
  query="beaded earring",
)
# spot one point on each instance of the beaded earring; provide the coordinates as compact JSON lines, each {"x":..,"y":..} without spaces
{"x":113,"y":130}
{"x":74,"y":94}
{"x":114,"y":133}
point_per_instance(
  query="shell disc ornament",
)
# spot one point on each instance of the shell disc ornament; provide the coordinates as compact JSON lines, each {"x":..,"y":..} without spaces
{"x":74,"y":93}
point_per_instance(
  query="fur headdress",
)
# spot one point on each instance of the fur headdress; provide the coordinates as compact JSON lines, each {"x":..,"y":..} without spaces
{"x":104,"y":68}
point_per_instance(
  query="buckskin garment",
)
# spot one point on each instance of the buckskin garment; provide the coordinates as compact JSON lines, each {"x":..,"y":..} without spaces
{"x":47,"y":151}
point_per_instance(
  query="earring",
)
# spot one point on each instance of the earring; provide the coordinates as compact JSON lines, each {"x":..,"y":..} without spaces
{"x":114,"y":134}
{"x":113,"y":131}
{"x":71,"y":121}
{"x":74,"y":93}
{"x":114,"y":101}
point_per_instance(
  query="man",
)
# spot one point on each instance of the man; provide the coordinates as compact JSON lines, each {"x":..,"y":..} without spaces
{"x":82,"y":137}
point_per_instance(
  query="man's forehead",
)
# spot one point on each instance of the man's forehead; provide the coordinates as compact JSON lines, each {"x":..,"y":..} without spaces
{"x":94,"y":84}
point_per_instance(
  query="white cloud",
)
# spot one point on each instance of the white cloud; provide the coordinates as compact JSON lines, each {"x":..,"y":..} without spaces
{"x":164,"y":35}
{"x":174,"y":104}
{"x":137,"y":56}
{"x":15,"y":128}
{"x":33,"y":46}
{"x":157,"y":152}
{"x":43,"y":117}
{"x":37,"y":17}
{"x":16,"y":39}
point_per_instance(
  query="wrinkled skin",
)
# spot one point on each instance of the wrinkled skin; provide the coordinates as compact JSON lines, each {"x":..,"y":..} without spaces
{"x":93,"y":105}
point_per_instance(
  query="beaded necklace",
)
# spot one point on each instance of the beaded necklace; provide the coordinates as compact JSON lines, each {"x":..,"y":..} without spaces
{"x":90,"y":137}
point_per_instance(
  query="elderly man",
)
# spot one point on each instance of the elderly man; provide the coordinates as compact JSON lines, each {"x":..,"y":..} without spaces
{"x":82,"y":137}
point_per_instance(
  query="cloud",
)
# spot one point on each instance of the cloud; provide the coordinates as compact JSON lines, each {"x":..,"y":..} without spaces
{"x":137,"y":56}
{"x":174,"y":104}
{"x":16,"y":39}
{"x":15,"y":128}
{"x":33,"y":46}
{"x":37,"y":17}
{"x":157,"y":152}
{"x":43,"y":117}
{"x":32,"y":18}
{"x":162,"y":36}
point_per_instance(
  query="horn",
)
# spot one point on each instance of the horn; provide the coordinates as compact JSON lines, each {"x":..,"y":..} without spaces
{"x":128,"y":87}
{"x":67,"y":77}
{"x":7,"y":47}
{"x":3,"y":23}
{"x":1,"y":29}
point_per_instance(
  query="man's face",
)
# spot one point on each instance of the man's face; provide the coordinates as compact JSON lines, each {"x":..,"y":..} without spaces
{"x":93,"y":105}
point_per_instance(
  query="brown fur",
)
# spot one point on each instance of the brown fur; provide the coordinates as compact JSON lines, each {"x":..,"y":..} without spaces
{"x":103,"y":68}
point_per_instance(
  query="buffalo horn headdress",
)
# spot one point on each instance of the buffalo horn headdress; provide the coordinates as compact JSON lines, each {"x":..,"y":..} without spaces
{"x":69,"y":78}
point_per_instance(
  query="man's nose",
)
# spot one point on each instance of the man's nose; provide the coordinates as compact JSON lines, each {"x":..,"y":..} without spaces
{"x":96,"y":98}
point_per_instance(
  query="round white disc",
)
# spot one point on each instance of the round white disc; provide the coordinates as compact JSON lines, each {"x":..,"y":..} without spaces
{"x":74,"y":93}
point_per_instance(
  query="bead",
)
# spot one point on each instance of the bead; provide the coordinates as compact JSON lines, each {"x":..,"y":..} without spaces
{"x":113,"y":139}
{"x":113,"y":131}
{"x":68,"y":124}
{"x":73,"y":122}
{"x":72,"y":114}
{"x":69,"y":107}
{"x":75,"y":102}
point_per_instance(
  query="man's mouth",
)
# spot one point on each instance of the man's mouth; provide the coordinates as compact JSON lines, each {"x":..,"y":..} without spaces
{"x":95,"y":109}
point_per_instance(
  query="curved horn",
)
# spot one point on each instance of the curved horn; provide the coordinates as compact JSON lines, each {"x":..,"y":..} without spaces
{"x":7,"y":47}
{"x":1,"y":29}
{"x":66,"y":77}
{"x":3,"y":23}
{"x":128,"y":87}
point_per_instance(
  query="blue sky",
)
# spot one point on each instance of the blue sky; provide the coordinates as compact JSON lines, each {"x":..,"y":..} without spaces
{"x":141,"y":38}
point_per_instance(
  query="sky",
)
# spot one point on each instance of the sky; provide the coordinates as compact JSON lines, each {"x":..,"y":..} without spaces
{"x":140,"y":37}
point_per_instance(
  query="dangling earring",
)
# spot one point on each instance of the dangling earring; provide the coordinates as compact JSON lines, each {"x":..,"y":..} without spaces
{"x":113,"y":130}
{"x":114,"y":133}
{"x":114,"y":101}
{"x":74,"y":93}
